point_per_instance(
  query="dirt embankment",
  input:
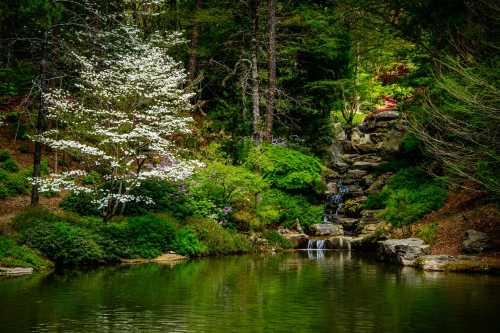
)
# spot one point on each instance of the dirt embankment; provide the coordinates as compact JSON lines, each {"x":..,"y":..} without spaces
{"x":466,"y":208}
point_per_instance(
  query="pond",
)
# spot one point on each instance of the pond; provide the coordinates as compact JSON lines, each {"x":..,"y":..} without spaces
{"x":290,"y":292}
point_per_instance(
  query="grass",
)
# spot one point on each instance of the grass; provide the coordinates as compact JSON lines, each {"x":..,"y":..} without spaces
{"x":14,"y":255}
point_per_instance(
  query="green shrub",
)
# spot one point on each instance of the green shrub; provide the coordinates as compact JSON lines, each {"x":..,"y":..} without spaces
{"x":9,"y":165}
{"x":278,"y":207}
{"x":4,"y":193}
{"x":56,"y":238}
{"x":217,"y":239}
{"x":14,"y":255}
{"x":4,"y":155}
{"x":138,"y":237}
{"x":188,"y":244}
{"x":221,"y":186}
{"x":286,"y":169}
{"x":81,"y":203}
{"x":277,"y":240}
{"x":429,"y":232}
{"x":408,"y":196}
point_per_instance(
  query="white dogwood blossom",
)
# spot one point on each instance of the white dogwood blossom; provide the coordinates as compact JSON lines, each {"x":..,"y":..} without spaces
{"x":123,"y":117}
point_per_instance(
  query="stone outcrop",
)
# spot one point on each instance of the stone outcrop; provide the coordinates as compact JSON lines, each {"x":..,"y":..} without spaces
{"x":354,"y":163}
{"x":476,"y":242}
{"x":15,"y":271}
{"x":403,"y":251}
{"x":327,"y":229}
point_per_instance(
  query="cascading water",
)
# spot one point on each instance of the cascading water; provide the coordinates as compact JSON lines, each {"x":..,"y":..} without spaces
{"x":336,"y":200}
{"x":316,"y":248}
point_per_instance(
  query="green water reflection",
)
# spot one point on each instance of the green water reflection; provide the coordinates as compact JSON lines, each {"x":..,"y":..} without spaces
{"x":290,"y":292}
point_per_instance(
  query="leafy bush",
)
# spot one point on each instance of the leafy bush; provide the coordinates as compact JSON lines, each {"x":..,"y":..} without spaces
{"x":188,"y":244}
{"x":14,"y":255}
{"x":9,"y":165}
{"x":408,"y":196}
{"x":277,"y":240}
{"x":81,"y":203}
{"x":221,"y":186}
{"x":56,"y":238}
{"x":4,"y":155}
{"x":138,"y":237}
{"x":217,"y":239}
{"x":286,"y":169}
{"x":280,"y":208}
{"x":428,"y":232}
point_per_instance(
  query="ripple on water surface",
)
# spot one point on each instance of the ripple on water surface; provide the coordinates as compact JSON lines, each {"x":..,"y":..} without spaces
{"x":291,"y":292}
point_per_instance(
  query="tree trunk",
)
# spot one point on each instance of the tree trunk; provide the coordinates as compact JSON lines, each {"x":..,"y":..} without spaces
{"x":40,"y":123}
{"x":195,"y":38}
{"x":271,"y":55}
{"x":255,"y":71}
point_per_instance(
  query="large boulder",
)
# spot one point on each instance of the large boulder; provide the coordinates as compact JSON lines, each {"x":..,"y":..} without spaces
{"x":476,"y":242}
{"x":403,"y":251}
{"x":327,"y":229}
{"x":379,"y":183}
{"x":298,"y":240}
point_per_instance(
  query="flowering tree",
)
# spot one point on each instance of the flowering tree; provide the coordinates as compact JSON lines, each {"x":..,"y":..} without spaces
{"x":122,"y":120}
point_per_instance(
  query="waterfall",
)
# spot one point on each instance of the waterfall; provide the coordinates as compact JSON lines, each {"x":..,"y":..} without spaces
{"x":336,"y":200}
{"x":316,"y":244}
{"x":316,"y":248}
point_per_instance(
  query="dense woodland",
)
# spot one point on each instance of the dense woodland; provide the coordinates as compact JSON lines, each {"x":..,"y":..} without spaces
{"x":204,"y":127}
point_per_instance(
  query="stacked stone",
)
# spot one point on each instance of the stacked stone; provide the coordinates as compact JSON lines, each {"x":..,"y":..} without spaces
{"x":372,"y":142}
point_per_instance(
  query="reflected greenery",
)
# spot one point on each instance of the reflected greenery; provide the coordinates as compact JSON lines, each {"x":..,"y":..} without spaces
{"x":288,"y":292}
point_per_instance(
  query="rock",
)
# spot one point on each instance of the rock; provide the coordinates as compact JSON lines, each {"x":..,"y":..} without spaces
{"x":355,"y":190}
{"x":298,"y":240}
{"x":369,"y":217}
{"x":359,"y":138}
{"x":327,"y":229}
{"x":340,"y":166}
{"x":459,"y":263}
{"x":392,"y":142}
{"x":339,"y":243}
{"x":15,"y":271}
{"x":347,"y":222}
{"x":350,"y":158}
{"x":369,"y":229}
{"x":166,"y":258}
{"x":386,"y":115}
{"x":475,"y":242}
{"x":356,"y":173}
{"x":363,"y":165}
{"x":338,"y":132}
{"x":379,"y":183}
{"x":403,"y":251}
{"x":366,"y":148}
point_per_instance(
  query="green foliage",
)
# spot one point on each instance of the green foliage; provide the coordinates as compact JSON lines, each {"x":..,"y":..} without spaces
{"x":429,"y":232}
{"x":71,"y":242}
{"x":138,"y":237}
{"x":14,"y":255}
{"x":188,"y":244}
{"x":277,"y":207}
{"x":64,"y":243}
{"x":9,"y":165}
{"x":81,"y":203}
{"x":286,"y":169}
{"x":275,"y":239}
{"x":222,"y":186}
{"x":4,"y":155}
{"x":408,"y":196}
{"x":353,"y":207}
{"x":217,"y":239}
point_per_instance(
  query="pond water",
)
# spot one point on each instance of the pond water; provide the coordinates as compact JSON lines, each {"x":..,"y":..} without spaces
{"x":289,"y":292}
